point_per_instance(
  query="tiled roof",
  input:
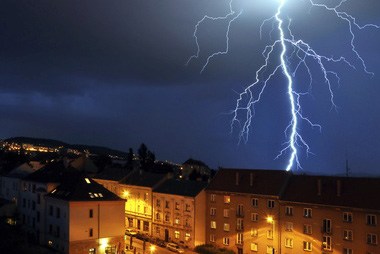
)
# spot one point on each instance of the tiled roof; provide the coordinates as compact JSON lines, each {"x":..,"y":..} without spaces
{"x":181,"y":187}
{"x":255,"y":181}
{"x":143,"y":178}
{"x":334,"y":191}
{"x":54,"y":172}
{"x":80,"y":188}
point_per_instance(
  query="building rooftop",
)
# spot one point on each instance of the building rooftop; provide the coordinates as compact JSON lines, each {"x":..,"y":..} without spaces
{"x":143,"y":178}
{"x":54,"y":172}
{"x":114,"y":174}
{"x":255,"y":181}
{"x":334,"y":191}
{"x":80,"y":188}
{"x":181,"y":187}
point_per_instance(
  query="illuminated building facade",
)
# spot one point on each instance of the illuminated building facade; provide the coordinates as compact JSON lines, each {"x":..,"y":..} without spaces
{"x":137,"y":189}
{"x":179,"y":212}
{"x":243,"y":210}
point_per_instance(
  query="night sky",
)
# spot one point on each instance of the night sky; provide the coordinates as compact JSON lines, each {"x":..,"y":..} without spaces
{"x":112,"y":73}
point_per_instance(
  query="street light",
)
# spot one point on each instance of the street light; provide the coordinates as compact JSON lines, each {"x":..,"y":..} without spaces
{"x":152,"y":249}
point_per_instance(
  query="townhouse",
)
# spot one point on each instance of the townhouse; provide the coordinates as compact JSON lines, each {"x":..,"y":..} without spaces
{"x":179,"y":212}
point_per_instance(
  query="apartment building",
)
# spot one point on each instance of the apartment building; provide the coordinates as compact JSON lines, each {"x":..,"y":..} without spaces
{"x":243,"y":210}
{"x":84,"y":217}
{"x":179,"y":212}
{"x":137,"y":189}
{"x":322,"y":214}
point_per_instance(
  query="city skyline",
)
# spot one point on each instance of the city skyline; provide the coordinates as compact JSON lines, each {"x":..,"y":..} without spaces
{"x":114,"y":75}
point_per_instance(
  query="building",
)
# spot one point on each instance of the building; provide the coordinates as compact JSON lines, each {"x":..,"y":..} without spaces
{"x":242,"y":210}
{"x":325,"y":214}
{"x":179,"y":212}
{"x":84,"y":217}
{"x":137,"y":188}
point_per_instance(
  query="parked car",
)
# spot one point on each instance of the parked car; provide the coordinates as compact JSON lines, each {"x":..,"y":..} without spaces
{"x":131,"y":231}
{"x":174,"y":247}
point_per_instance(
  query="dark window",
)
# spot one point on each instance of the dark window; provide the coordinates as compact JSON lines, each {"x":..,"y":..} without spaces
{"x":51,"y":210}
{"x":91,"y":232}
{"x":58,"y":212}
{"x":91,"y":213}
{"x":38,"y":216}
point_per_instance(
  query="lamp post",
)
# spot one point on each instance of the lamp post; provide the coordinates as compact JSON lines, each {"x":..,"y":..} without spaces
{"x":270,"y":220}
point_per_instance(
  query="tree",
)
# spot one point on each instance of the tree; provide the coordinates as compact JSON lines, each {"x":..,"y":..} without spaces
{"x":130,"y":156}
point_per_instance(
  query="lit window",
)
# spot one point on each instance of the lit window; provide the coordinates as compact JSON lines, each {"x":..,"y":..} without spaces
{"x":254,"y":232}
{"x":176,"y":221}
{"x":187,"y":208}
{"x":347,"y":217}
{"x":289,"y":242}
{"x":187,"y":236}
{"x":239,"y":238}
{"x":227,"y":199}
{"x":254,"y":247}
{"x":212,"y":238}
{"x":212,"y":197}
{"x":270,"y":249}
{"x":226,"y":213}
{"x":226,"y":227}
{"x":176,"y":205}
{"x":326,"y":243}
{"x":270,"y":234}
{"x":213,"y":224}
{"x":226,"y":241}
{"x":289,"y":226}
{"x":348,"y":235}
{"x":87,"y":180}
{"x":176,"y":234}
{"x":307,"y":246}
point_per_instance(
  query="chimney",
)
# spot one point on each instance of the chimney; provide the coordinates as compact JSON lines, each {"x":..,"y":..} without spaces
{"x":338,"y":187}
{"x":237,"y":178}
{"x":251,"y":179}
{"x":319,"y":186}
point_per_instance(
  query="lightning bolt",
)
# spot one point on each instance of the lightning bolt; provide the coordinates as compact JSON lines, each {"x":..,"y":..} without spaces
{"x":287,"y":54}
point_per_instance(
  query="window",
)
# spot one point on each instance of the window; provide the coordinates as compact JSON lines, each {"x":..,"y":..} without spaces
{"x":158,"y":217}
{"x":255,"y":202}
{"x":307,"y":246}
{"x":58,"y":212}
{"x":187,"y":236}
{"x":270,"y":249}
{"x":326,"y":243}
{"x":307,"y":229}
{"x":51,"y":210}
{"x":23,"y":202}
{"x":187,"y":208}
{"x":270,"y":203}
{"x":39,"y":198}
{"x":348,"y":235}
{"x":226,"y":213}
{"x":158,"y":203}
{"x":212,"y":197}
{"x":347,"y":251}
{"x":146,"y":196}
{"x":166,"y":204}
{"x":254,"y":232}
{"x":146,"y":226}
{"x":57,"y":232}
{"x":371,"y":220}
{"x":176,"y":221}
{"x":326,"y":226}
{"x":50,"y":229}
{"x":91,"y":251}
{"x":212,"y":211}
{"x":176,"y":205}
{"x":90,"y":232}
{"x":145,"y":209}
{"x":212,"y":238}
{"x":38,"y":216}
{"x":91,"y":213}
{"x":213,"y":224}
{"x":239,"y":224}
{"x":240,"y":210}
{"x":347,"y":217}
{"x":239,"y":238}
{"x":254,"y":247}
{"x":289,"y":211}
{"x":158,"y":230}
{"x":371,"y":238}
{"x":307,"y":212}
{"x":270,"y":234}
{"x":33,"y":205}
{"x":226,"y":227}
{"x":227,"y":199}
{"x":167,"y":217}
{"x":254,"y":217}
{"x":289,"y":242}
{"x":289,"y":226}
{"x":176,"y":234}
{"x":226,"y":241}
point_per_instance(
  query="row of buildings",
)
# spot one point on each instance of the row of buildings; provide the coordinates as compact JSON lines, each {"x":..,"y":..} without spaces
{"x":247,"y":211}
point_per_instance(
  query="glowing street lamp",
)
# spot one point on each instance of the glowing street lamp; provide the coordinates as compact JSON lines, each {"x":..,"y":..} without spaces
{"x":152,"y":249}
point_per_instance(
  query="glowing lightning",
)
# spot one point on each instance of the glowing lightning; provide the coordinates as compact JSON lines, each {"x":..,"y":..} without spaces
{"x":301,"y":51}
